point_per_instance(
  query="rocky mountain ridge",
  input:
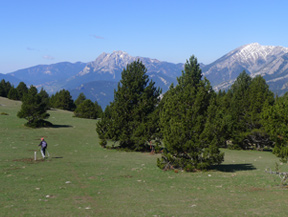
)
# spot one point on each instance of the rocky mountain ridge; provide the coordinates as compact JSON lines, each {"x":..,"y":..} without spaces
{"x":98,"y":79}
{"x":267,"y":61}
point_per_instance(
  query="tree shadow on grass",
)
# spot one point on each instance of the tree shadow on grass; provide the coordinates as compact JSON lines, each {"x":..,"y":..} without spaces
{"x":60,"y":126}
{"x":230,"y":168}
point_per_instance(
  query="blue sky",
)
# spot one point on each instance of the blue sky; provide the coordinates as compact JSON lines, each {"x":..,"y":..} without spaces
{"x":37,"y":32}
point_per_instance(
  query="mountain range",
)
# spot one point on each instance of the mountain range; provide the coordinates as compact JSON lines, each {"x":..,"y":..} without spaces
{"x":98,"y":79}
{"x":268,"y":61}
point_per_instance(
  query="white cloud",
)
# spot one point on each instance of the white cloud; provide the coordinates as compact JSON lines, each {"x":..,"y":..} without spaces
{"x":47,"y":57}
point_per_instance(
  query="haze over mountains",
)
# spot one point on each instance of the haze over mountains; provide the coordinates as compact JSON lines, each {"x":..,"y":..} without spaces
{"x":98,"y":79}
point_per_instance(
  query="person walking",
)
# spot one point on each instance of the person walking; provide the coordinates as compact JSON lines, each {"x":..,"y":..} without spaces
{"x":43,"y":145}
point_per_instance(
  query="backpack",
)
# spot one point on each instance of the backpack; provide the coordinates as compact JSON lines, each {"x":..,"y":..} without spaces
{"x":44,"y":144}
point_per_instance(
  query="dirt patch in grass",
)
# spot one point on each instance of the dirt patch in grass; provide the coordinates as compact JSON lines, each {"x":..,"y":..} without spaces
{"x":253,"y":189}
{"x":29,"y":160}
{"x":83,"y":199}
{"x":126,"y":176}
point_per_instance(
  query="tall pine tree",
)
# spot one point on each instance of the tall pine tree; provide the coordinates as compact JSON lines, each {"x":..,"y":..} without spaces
{"x":81,"y":98}
{"x":248,"y":98}
{"x":13,"y":93}
{"x":183,"y":118}
{"x":62,"y":100}
{"x":4,"y":88}
{"x":88,"y":109}
{"x":275,"y":121}
{"x":129,"y":114}
{"x":33,"y":109}
{"x":22,"y":89}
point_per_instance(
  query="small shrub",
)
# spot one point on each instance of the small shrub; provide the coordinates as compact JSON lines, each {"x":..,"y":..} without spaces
{"x":4,"y":113}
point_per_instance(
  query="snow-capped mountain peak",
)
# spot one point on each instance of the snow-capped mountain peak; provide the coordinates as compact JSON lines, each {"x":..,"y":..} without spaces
{"x":267,"y":61}
{"x":251,"y":58}
{"x":254,"y":52}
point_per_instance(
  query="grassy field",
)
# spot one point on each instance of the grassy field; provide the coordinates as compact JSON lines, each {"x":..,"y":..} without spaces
{"x":82,"y":179}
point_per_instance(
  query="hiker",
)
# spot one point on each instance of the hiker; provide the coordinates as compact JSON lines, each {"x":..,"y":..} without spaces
{"x":43,"y":145}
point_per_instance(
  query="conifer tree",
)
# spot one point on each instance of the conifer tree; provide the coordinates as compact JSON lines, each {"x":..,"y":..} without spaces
{"x":21,"y":89}
{"x":104,"y":126}
{"x":134,"y":102}
{"x":2,"y":91}
{"x":249,"y":97}
{"x":98,"y":109}
{"x":13,"y":94}
{"x":182,"y":120}
{"x":218,"y":125}
{"x":258,"y":95}
{"x":45,"y":98}
{"x":275,"y":122}
{"x":239,"y":102}
{"x":33,"y":109}
{"x":88,"y":109}
{"x":4,"y":88}
{"x":62,"y":100}
{"x":81,"y":98}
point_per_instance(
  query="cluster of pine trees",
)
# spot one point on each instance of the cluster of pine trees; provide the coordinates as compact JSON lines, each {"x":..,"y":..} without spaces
{"x":35,"y":105}
{"x":9,"y":91}
{"x":190,"y":122}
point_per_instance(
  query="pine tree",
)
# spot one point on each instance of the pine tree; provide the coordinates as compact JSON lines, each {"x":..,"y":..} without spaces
{"x":81,"y":98}
{"x":182,"y":120}
{"x":4,"y":88}
{"x":2,"y":91}
{"x":258,"y":95}
{"x":33,"y":109}
{"x":63,"y":100}
{"x":98,"y":109}
{"x":249,"y":96}
{"x":275,"y":122}
{"x":239,"y":101}
{"x":134,"y":101}
{"x":104,"y":126}
{"x":13,"y":94}
{"x":87,"y":109}
{"x":218,"y":124}
{"x":22,"y":89}
{"x":45,"y":98}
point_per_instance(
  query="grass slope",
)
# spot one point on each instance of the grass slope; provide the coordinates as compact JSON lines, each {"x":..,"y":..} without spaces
{"x":82,"y":179}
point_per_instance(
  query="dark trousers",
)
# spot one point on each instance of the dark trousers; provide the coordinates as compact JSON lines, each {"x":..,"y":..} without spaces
{"x":43,"y":150}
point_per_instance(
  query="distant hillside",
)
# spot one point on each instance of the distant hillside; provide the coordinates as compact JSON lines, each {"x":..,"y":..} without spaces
{"x":100,"y":91}
{"x":48,"y":74}
{"x":10,"y":78}
{"x":97,"y":79}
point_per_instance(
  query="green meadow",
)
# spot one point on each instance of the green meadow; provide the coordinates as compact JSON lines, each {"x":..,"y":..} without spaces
{"x":80,"y":178}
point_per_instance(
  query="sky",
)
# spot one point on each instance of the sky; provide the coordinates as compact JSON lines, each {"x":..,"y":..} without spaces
{"x":35,"y":32}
